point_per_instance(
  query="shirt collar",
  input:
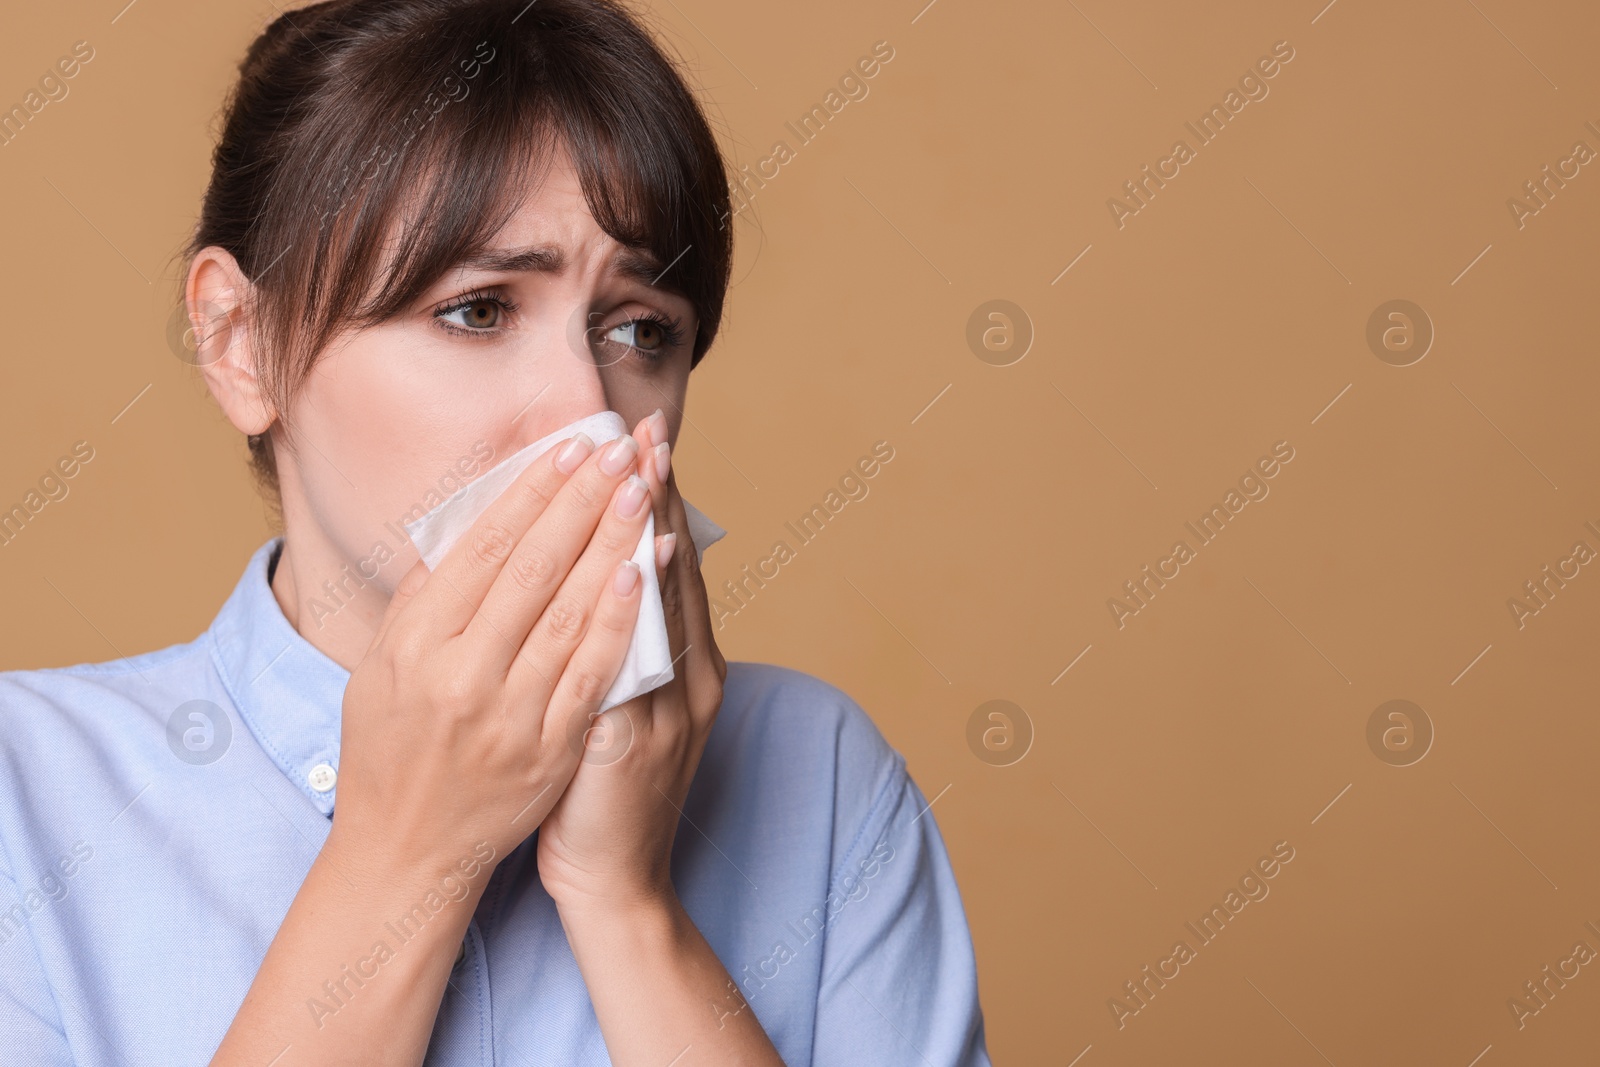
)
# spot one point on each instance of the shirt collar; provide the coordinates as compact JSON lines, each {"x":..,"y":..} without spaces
{"x":287,"y":691}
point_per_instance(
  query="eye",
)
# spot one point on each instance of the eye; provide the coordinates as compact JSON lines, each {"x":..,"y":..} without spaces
{"x":650,"y":334}
{"x":640,"y":333}
{"x":481,"y":314}
{"x":475,"y":312}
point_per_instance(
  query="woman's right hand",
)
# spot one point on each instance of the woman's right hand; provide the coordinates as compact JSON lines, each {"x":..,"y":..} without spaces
{"x":463,"y":724}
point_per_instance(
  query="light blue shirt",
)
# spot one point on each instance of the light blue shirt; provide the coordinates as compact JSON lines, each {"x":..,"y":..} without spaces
{"x":159,"y":813}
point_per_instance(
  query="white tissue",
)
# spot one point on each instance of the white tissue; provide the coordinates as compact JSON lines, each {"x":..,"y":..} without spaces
{"x":648,"y":663}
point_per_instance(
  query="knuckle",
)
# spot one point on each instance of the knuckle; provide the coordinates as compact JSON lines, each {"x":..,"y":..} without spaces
{"x":532,"y":569}
{"x":588,"y":686}
{"x":533,"y":493}
{"x":672,"y":598}
{"x":586,"y":493}
{"x":709,"y":698}
{"x":614,"y":621}
{"x":687,"y":555}
{"x":490,"y":544}
{"x":565,"y":619}
{"x":408,"y":649}
{"x":412,"y":581}
{"x":454,"y":689}
{"x":611,"y":540}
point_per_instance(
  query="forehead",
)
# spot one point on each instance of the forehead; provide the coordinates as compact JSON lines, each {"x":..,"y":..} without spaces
{"x":552,"y":210}
{"x":553,"y":206}
{"x":552,"y":229}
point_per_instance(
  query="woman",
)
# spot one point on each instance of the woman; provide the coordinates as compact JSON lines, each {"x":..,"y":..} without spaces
{"x":357,"y":820}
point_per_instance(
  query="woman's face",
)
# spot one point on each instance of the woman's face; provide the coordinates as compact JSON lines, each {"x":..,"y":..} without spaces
{"x":493,"y":357}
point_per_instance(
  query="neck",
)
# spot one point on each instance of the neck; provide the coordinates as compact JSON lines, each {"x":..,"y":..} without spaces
{"x":328,"y":600}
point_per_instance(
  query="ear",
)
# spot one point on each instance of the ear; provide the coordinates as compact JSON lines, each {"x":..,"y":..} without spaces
{"x":217,"y":295}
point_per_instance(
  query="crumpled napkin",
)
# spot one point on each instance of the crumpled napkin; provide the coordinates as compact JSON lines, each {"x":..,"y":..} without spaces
{"x":648,"y":663}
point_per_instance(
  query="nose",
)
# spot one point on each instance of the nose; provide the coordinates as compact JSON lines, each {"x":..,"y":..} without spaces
{"x":567,"y":381}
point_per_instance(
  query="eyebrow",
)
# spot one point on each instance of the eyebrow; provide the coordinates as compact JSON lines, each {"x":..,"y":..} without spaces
{"x":629,"y":263}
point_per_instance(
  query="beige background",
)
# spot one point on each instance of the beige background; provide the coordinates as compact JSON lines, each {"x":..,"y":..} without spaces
{"x":1227,"y":315}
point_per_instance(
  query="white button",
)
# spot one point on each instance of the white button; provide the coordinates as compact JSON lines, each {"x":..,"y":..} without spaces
{"x":322,"y":777}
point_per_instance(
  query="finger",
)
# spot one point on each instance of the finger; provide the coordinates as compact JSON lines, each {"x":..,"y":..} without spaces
{"x":685,"y":567}
{"x":557,"y":632}
{"x":656,"y":465}
{"x":693,"y":600}
{"x":671,"y":587}
{"x":528,"y":584}
{"x":405,"y":591}
{"x":473,"y":564}
{"x":596,"y":661}
{"x":666,"y":545}
{"x":701,"y":665}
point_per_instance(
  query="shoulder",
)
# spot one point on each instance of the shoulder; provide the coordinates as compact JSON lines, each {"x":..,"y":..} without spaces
{"x":795,"y":756}
{"x":783,"y":713}
{"x":93,"y":694}
{"x":68,"y":733}
{"x":783,"y":697}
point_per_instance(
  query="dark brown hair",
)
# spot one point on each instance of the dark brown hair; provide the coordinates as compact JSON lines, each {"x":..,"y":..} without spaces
{"x":352,"y":114}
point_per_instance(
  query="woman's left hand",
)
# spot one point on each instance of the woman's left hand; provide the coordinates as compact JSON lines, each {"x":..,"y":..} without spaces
{"x":608,"y":841}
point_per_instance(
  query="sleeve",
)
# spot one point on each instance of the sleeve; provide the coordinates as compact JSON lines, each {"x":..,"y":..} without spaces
{"x":30,"y":1029}
{"x":899,"y":983}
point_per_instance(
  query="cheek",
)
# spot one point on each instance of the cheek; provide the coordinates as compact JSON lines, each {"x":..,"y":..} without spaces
{"x":388,"y":424}
{"x":634,"y":394}
{"x":636,"y":407}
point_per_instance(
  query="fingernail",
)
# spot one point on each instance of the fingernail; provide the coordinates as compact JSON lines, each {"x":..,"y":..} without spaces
{"x":664,"y":550}
{"x":663,"y":454}
{"x":632,"y":497}
{"x":573,"y":453}
{"x":620,"y":456}
{"x":658,"y":427}
{"x":627,"y":577}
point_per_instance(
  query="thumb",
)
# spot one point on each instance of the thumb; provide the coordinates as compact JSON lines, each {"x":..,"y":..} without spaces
{"x":405,"y":590}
